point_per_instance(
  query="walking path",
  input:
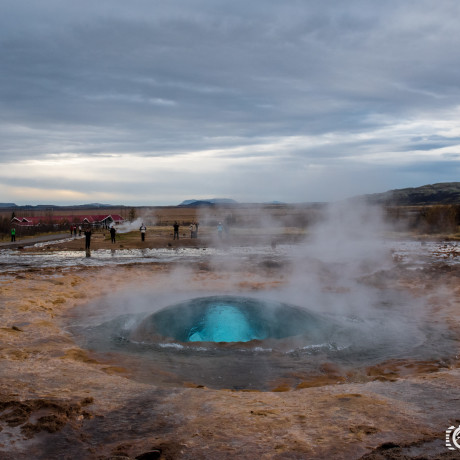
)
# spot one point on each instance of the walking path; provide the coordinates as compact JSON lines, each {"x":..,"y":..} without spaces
{"x":31,"y":241}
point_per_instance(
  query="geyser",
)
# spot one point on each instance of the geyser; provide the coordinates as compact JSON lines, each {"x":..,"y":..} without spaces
{"x":230,"y":341}
{"x":229,"y":319}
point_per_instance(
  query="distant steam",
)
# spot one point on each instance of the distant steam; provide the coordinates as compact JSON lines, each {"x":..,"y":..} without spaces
{"x":135,"y":224}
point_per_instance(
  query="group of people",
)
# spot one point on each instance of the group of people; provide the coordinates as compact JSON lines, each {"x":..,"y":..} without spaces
{"x":73,"y":230}
{"x":113,"y":232}
{"x":87,"y":232}
{"x":193,"y":230}
{"x":142,"y":229}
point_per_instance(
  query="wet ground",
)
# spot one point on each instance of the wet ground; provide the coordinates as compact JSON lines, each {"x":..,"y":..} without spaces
{"x":64,"y":396}
{"x":409,"y":253}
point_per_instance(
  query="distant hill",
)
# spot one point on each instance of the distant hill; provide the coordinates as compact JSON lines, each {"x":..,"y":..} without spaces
{"x":8,"y":205}
{"x":442,"y":193}
{"x":210,"y":202}
{"x":95,"y":205}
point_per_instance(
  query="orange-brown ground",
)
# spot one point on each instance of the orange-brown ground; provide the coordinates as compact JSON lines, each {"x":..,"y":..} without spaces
{"x":60,"y":401}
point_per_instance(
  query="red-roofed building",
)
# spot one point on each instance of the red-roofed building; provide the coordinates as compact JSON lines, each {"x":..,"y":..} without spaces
{"x":100,"y":220}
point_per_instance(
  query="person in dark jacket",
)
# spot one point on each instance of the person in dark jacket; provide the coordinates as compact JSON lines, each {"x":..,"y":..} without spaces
{"x":143,"y":229}
{"x":112,"y":234}
{"x":87,"y":238}
{"x":176,"y":231}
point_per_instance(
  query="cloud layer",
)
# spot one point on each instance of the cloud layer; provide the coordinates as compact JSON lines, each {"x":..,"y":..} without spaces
{"x":149,"y":102}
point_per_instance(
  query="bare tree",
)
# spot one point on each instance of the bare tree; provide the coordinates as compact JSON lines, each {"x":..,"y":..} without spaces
{"x":132,"y":214}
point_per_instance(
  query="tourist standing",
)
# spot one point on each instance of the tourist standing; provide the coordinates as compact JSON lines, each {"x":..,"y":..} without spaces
{"x":112,"y":234}
{"x":220,"y":228}
{"x":87,"y":238}
{"x":143,"y":229}
{"x":13,"y":234}
{"x":176,"y":230}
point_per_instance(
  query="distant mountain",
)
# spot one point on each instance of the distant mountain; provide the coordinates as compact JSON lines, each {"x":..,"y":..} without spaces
{"x":210,"y":202}
{"x":8,"y":205}
{"x":442,"y":193}
{"x":95,"y":205}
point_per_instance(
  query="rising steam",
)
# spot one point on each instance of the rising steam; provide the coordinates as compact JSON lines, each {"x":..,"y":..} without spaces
{"x":337,"y":268}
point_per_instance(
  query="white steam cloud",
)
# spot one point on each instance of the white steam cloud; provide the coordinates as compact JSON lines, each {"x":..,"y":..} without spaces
{"x":338,"y":265}
{"x":134,"y":225}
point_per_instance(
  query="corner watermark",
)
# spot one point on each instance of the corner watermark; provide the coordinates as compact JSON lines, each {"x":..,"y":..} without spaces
{"x":453,"y":438}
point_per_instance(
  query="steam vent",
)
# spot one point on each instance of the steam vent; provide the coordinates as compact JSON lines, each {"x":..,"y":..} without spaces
{"x":229,"y":319}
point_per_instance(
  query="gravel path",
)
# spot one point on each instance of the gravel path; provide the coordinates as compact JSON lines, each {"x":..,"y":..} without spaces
{"x":31,"y":241}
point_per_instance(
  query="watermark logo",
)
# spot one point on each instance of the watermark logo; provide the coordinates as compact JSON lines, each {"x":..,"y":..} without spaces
{"x":453,"y":438}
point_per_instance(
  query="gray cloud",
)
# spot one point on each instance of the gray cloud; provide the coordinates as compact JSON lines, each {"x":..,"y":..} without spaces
{"x":351,"y":81}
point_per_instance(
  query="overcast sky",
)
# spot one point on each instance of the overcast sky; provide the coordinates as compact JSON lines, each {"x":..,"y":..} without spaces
{"x":147,"y":102}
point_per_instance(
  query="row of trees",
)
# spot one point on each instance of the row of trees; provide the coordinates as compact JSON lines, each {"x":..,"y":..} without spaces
{"x":427,"y":219}
{"x":440,"y":218}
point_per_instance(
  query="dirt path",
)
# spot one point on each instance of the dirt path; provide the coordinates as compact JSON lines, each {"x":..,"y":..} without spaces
{"x":23,"y":242}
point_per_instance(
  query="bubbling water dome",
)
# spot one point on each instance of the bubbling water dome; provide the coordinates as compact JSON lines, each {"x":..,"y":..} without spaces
{"x":230,"y":319}
{"x":223,"y":323}
{"x":231,"y":341}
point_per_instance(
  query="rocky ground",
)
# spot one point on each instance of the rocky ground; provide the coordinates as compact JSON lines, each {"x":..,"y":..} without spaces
{"x":58,"y":400}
